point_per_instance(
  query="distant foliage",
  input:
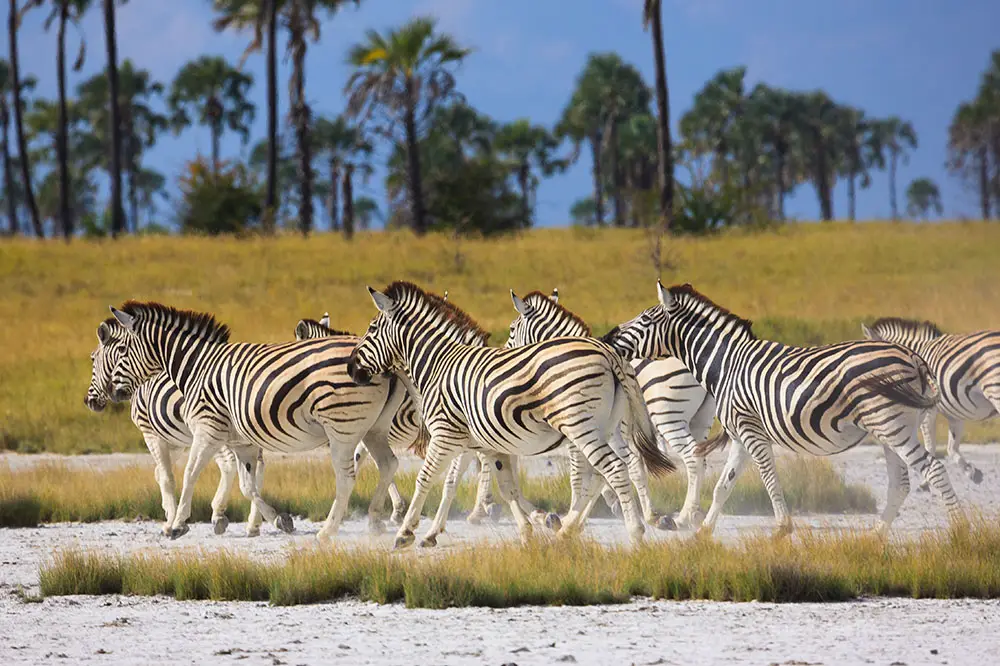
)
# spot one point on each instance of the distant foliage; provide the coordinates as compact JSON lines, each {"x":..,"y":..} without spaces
{"x":223,"y":202}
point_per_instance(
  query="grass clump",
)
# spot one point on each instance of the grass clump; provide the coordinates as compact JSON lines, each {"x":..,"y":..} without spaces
{"x":59,"y":493}
{"x":813,"y":567}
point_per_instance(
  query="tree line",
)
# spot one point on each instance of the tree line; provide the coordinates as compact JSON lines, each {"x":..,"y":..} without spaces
{"x":448,"y":165}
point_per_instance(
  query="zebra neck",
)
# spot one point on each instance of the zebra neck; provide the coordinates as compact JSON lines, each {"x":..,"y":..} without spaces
{"x":423,"y":353}
{"x":185,"y":358}
{"x":706,"y":359}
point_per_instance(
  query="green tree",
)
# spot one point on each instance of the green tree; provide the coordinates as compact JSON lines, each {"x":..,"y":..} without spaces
{"x":528,"y":148}
{"x":346,"y":150}
{"x":638,"y":150}
{"x":923,"y":196}
{"x":862,"y":151}
{"x":12,"y":192}
{"x":652,"y":20}
{"x":709,"y":127}
{"x":820,"y":125}
{"x":776,"y":115}
{"x":367,"y":212}
{"x":215,"y":92}
{"x":114,"y":119}
{"x":898,"y":137}
{"x":16,"y":85}
{"x":583,"y":212}
{"x":400,"y":77}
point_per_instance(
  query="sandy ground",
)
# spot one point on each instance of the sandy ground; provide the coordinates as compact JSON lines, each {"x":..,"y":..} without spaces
{"x":153,"y":630}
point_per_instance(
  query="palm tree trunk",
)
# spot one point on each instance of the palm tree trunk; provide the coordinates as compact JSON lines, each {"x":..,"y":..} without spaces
{"x":617,"y":199}
{"x":110,"y":38}
{"x":984,"y":183}
{"x":664,"y":143}
{"x":780,"y":180}
{"x":823,"y":182}
{"x":413,"y":160}
{"x":851,"y":197}
{"x":595,"y":148}
{"x":523,"y":173}
{"x":62,"y":138}
{"x":348,"y":201}
{"x":22,"y":144}
{"x":271,"y":202}
{"x":892,"y":185}
{"x":334,"y":201}
{"x":216,"y":141}
{"x":8,"y":171}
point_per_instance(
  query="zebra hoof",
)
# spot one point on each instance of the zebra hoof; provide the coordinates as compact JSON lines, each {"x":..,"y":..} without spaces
{"x":665,"y":523}
{"x":923,"y":487}
{"x":178,"y":532}
{"x":615,"y":509}
{"x":397,"y":516}
{"x":429,"y":541}
{"x":220,"y":525}
{"x":376,"y":527}
{"x":977,"y":476}
{"x":494,"y":512}
{"x":284,"y":523}
{"x":404,"y":540}
{"x":697,"y":518}
{"x":553,"y":522}
{"x":253,"y":531}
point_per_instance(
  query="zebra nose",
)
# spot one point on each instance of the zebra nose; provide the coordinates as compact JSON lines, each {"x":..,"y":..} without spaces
{"x":121,"y":393}
{"x":93,"y":404}
{"x":359,"y":375}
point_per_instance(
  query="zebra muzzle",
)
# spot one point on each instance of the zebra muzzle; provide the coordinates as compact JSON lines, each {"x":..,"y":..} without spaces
{"x":94,"y":404}
{"x":121,"y":393}
{"x":358,"y":374}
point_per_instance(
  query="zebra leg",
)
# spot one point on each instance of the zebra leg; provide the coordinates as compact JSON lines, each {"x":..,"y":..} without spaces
{"x":255,"y":518}
{"x":483,"y":488}
{"x":360,"y":453}
{"x":343,"y":469}
{"x":927,"y":425}
{"x":955,"y":428}
{"x":226,"y":461}
{"x":163,"y":472}
{"x":387,"y":464}
{"x":586,"y":483}
{"x":640,"y":479}
{"x":691,"y":433}
{"x":511,"y":493}
{"x":246,"y":465}
{"x":435,"y":461}
{"x":455,"y":473}
{"x":762,"y":452}
{"x":203,"y":448}
{"x":899,"y":488}
{"x":539,"y":517}
{"x":603,"y":458}
{"x":396,"y":497}
{"x":930,"y":469}
{"x":724,"y":487}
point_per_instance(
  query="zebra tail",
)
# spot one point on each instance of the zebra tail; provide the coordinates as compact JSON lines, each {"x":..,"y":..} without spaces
{"x":715,"y":442}
{"x":420,"y":442}
{"x":639,"y":426}
{"x":900,"y":389}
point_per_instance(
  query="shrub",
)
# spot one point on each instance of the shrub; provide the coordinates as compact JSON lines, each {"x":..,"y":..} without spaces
{"x":218,"y":202}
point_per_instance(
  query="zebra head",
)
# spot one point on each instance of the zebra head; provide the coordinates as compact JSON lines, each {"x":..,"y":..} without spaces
{"x":380,"y":349}
{"x":540,"y":317}
{"x":110,"y":349}
{"x":906,"y":332}
{"x":135,"y":363}
{"x":645,"y":336}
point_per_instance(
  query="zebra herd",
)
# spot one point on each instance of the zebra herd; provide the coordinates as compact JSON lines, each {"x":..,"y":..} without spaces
{"x":423,"y":377}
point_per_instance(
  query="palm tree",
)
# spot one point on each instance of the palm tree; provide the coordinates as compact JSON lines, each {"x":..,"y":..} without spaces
{"x":819,"y":128}
{"x":300,"y":19}
{"x":11,"y":190}
{"x":216,"y":92}
{"x":285,"y":183}
{"x":528,"y":147}
{"x":367,"y":212}
{"x":898,"y":136}
{"x":402,"y":75}
{"x":969,"y":149}
{"x":862,"y":151}
{"x":65,"y":11}
{"x":114,"y":119}
{"x":777,"y":114}
{"x":922,"y":196}
{"x":710,"y":125}
{"x":344,"y":146}
{"x":13,"y":24}
{"x":651,"y":20}
{"x":639,"y":152}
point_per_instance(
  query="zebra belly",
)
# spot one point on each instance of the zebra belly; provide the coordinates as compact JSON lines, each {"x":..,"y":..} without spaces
{"x":525,"y":443}
{"x":971,"y":406}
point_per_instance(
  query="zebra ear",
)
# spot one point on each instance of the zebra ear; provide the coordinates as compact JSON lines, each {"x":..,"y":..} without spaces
{"x":384,"y":304}
{"x":555,"y":295}
{"x":325,"y":320}
{"x":522,"y":308}
{"x":868,"y":333}
{"x":667,"y":299}
{"x":124,"y":318}
{"x":103,"y":333}
{"x":445,"y":295}
{"x":301,"y":329}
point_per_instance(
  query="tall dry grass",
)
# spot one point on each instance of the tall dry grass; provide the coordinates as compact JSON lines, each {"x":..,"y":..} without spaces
{"x":57,"y":493}
{"x":961,"y":562}
{"x":806,"y":283}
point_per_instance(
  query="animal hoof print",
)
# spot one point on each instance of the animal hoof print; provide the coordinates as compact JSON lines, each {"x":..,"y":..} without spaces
{"x":553,"y":522}
{"x":403,"y":541}
{"x":220,"y":525}
{"x":428,"y":542}
{"x":665,"y":523}
{"x":284,"y":523}
{"x":977,"y":476}
{"x":178,"y":532}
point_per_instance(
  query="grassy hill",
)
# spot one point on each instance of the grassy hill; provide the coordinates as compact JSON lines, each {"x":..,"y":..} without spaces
{"x":804,"y":284}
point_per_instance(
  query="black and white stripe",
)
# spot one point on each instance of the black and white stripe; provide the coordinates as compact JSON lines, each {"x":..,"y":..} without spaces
{"x":966,"y":370}
{"x":506,"y":402}
{"x":816,"y":400}
{"x":284,"y":397}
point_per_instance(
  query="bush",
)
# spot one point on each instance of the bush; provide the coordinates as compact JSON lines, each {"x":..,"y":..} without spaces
{"x":223,"y":202}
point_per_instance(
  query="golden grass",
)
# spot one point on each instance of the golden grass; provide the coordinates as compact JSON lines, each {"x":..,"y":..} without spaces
{"x":959,"y":562}
{"x":806,"y":283}
{"x":57,"y":493}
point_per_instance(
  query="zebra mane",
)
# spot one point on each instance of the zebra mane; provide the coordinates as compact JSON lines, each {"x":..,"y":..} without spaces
{"x":922,"y":328}
{"x":201,"y":324}
{"x":693,"y":300}
{"x":326,"y":330}
{"x":445,"y":311}
{"x":544,"y":303}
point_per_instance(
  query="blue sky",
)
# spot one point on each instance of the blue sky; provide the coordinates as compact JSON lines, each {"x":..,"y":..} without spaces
{"x":914,"y":58}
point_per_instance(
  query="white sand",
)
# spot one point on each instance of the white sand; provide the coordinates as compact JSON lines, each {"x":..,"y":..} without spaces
{"x":153,"y":630}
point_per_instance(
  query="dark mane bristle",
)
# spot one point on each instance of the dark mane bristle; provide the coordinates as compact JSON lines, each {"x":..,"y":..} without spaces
{"x":537,"y":299}
{"x":400,"y":289}
{"x":909,"y":325}
{"x":685,"y":291}
{"x":202,"y":324}
{"x":332,"y":332}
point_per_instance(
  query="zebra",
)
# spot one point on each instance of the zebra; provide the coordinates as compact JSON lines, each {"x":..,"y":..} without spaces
{"x":680,"y":408}
{"x":156,"y":411}
{"x":817,"y":400}
{"x":966,"y":370}
{"x":285,"y":397}
{"x":504,"y":402}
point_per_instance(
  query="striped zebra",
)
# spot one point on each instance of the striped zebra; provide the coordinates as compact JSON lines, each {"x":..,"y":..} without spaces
{"x":817,"y":400}
{"x":504,"y":402}
{"x":966,"y":370}
{"x":680,"y":408}
{"x":284,"y":397}
{"x":156,"y":411}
